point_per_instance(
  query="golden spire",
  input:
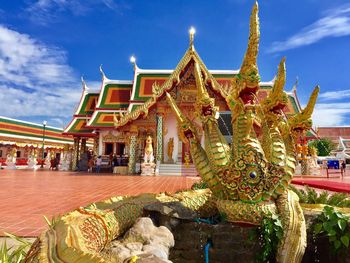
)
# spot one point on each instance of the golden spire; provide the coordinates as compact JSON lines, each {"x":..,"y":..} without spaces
{"x":192,"y":31}
{"x":249,"y":69}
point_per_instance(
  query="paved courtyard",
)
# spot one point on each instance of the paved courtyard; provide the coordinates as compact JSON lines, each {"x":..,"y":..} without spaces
{"x":28,"y":195}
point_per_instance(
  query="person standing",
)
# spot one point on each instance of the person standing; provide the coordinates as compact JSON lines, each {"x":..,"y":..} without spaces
{"x":115,"y":164}
{"x":98,"y":163}
{"x":91,"y":163}
{"x":343,"y":167}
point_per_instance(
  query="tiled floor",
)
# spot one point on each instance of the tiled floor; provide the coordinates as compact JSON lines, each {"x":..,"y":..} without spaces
{"x":28,"y":195}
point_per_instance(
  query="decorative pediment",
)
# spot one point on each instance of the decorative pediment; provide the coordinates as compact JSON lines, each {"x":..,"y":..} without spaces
{"x":110,"y":137}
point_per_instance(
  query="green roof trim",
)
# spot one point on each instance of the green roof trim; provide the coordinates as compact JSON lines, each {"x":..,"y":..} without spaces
{"x":104,"y":95}
{"x":58,"y":130}
{"x":35,"y":136}
{"x":138,"y":81}
{"x":85,"y":101}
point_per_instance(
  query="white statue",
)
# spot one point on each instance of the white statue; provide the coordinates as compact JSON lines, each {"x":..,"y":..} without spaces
{"x":148,"y":166}
{"x":11,"y":160}
{"x":32,"y":160}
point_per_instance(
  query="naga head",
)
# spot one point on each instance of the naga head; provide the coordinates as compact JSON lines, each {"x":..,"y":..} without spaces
{"x":246,"y":82}
{"x":205,"y":107}
{"x":274,"y":104}
{"x":302,"y":121}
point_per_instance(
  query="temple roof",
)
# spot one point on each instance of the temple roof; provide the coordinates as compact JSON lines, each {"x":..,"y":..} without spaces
{"x":134,"y":98}
{"x":17,"y":129}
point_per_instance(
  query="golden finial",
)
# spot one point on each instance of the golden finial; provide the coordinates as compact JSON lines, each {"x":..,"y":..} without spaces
{"x":85,"y":87}
{"x":133,"y":61}
{"x":249,"y":70}
{"x":192,"y":31}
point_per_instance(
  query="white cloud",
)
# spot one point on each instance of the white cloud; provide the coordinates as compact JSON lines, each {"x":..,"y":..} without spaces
{"x":334,"y":24}
{"x":331,"y":114}
{"x":47,"y":11}
{"x":335,"y":95}
{"x":35,"y":79}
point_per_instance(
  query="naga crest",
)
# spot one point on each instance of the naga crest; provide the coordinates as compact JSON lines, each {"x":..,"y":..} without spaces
{"x":260,"y":162}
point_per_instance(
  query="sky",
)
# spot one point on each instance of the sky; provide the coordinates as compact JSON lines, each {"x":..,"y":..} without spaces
{"x":46,"y":46}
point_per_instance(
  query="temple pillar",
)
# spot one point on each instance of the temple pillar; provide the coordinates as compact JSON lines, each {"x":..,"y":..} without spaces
{"x":82,"y":146}
{"x":159,"y":154}
{"x":75,"y":153}
{"x":95,"y":150}
{"x":132,"y":150}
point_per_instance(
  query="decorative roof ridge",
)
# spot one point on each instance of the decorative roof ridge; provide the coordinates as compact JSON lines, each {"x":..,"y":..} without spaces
{"x":158,"y":91}
{"x":115,"y":81}
{"x":31,"y":123}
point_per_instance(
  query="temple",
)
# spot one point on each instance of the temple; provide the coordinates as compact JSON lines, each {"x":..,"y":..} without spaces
{"x":122,"y":113}
{"x":20,"y":141}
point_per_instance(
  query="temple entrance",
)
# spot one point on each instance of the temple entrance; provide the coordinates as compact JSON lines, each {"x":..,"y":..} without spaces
{"x":108,"y":148}
{"x":119,"y":149}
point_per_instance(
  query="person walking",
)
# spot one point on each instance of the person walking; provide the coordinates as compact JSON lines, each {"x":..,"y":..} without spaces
{"x":98,"y":163}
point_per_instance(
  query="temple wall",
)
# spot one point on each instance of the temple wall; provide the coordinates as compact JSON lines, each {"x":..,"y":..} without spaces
{"x":171,"y":127}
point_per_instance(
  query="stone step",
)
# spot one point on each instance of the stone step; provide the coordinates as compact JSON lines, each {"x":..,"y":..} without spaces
{"x":177,"y":170}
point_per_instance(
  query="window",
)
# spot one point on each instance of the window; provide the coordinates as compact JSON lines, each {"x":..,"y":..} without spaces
{"x":18,"y":154}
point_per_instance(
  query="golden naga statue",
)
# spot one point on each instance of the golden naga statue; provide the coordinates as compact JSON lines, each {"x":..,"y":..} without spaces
{"x":248,"y":180}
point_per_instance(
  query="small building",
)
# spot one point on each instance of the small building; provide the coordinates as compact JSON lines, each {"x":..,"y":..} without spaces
{"x":20,"y":139}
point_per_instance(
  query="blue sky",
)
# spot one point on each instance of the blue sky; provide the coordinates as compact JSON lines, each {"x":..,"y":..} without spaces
{"x":47,"y":45}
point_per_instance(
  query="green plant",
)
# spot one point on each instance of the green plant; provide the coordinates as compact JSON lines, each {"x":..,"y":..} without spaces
{"x":14,"y":254}
{"x":199,"y":185}
{"x":335,"y":226}
{"x":310,"y":196}
{"x":324,"y":146}
{"x":271,"y":232}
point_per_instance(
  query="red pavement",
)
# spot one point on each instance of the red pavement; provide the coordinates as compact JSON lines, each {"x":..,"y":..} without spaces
{"x":28,"y":195}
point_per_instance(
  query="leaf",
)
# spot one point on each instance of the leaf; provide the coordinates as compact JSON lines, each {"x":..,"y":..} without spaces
{"x":318,"y":228}
{"x":332,"y":233}
{"x":337,"y":244}
{"x":328,"y":226}
{"x":342,"y":224}
{"x":345,"y":240}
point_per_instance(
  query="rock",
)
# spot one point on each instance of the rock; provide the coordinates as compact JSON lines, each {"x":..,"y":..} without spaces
{"x":172,"y":209}
{"x":150,"y":258}
{"x":144,"y":240}
{"x":119,"y":251}
{"x":134,"y":246}
{"x":157,"y":250}
{"x":151,"y":234}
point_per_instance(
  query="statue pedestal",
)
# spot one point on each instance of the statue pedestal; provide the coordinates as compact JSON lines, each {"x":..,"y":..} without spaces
{"x":32,"y":163}
{"x":64,"y":165}
{"x":10,"y":166}
{"x":147,"y":169}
